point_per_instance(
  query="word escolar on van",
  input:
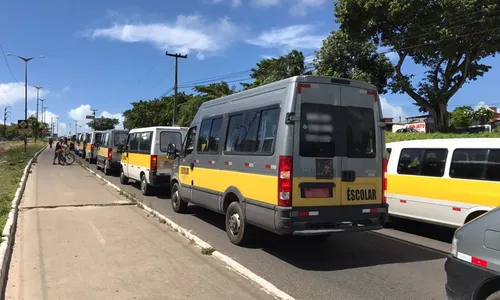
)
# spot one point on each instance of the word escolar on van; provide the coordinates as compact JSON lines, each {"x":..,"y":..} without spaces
{"x":447,"y":182}
{"x":301,"y":156}
{"x":108,"y":158}
{"x":144,"y":156}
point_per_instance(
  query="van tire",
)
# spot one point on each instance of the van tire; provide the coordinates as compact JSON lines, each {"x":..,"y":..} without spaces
{"x":494,"y":296}
{"x":178,"y":205}
{"x":123,"y":178}
{"x":145,"y":187}
{"x":236,"y":228}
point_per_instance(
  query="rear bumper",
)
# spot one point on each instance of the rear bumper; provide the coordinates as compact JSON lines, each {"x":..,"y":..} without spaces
{"x":330,"y":219}
{"x":158,"y":180}
{"x":463,"y":279}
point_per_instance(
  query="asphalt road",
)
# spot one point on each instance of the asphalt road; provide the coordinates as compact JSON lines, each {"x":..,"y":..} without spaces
{"x":399,"y":263}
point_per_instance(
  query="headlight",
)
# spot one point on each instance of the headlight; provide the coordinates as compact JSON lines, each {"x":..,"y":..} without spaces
{"x":454,"y":248}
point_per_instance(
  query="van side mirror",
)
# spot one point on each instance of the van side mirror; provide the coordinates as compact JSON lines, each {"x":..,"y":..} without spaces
{"x":172,"y":151}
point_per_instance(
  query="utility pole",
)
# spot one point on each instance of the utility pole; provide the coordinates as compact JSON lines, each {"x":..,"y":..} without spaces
{"x":41,"y":100}
{"x":57,"y":126}
{"x":176,"y":56}
{"x":26,"y":60}
{"x":5,"y":115}
{"x":37,"y":99}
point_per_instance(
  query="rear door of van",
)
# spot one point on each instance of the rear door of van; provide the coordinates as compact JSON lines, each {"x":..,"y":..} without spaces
{"x":166,"y":137}
{"x":336,"y":147}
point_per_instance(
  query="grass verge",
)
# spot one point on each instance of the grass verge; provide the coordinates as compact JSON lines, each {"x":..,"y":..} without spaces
{"x":13,"y":160}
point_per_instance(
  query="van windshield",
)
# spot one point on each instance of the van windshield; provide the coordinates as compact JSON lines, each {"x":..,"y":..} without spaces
{"x":167,"y":137}
{"x":328,"y":131}
{"x":120,"y":138}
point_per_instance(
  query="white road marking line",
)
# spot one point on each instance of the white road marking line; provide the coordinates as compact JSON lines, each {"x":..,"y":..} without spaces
{"x":99,"y":236}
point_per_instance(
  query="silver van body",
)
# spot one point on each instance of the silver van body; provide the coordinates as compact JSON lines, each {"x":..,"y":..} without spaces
{"x":473,"y":267}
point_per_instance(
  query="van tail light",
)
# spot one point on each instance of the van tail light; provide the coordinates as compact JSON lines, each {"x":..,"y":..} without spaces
{"x":384,"y":179}
{"x":110,"y":153}
{"x":92,"y":148}
{"x":285,"y":181}
{"x":153,"y":164}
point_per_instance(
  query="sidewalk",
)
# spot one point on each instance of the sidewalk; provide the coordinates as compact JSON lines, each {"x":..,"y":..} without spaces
{"x":78,"y":239}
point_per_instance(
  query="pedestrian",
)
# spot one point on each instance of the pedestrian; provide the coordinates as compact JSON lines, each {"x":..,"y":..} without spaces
{"x":51,"y":140}
{"x":58,"y":151}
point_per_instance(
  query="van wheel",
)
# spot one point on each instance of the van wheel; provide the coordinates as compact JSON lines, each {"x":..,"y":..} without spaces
{"x":123,"y":178}
{"x":178,"y":205}
{"x":236,"y":227}
{"x":494,"y":296}
{"x":106,"y":168}
{"x":145,"y":187}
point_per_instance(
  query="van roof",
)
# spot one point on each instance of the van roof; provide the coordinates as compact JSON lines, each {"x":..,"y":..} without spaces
{"x":114,"y":130}
{"x":158,"y":127}
{"x":447,"y":143}
{"x":285,"y":82}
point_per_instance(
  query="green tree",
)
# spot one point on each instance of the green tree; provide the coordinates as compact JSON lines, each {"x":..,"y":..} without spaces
{"x":449,"y":38}
{"x":37,"y":129}
{"x":103,"y":123}
{"x":462,"y":116}
{"x":274,"y":69}
{"x":483,"y":115}
{"x":214,"y":90}
{"x":345,"y":57}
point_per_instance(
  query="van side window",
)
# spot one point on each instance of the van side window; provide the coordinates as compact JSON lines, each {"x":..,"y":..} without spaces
{"x":202,"y":145}
{"x":242,"y":134}
{"x":410,"y":162}
{"x":190,"y":139}
{"x":145,"y":141}
{"x":433,"y":162}
{"x":267,"y":130}
{"x":133,"y":142}
{"x":493,"y":166}
{"x":214,"y":137}
{"x":468,"y":163}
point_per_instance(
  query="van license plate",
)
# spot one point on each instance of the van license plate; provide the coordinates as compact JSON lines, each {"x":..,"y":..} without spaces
{"x":317,"y":193}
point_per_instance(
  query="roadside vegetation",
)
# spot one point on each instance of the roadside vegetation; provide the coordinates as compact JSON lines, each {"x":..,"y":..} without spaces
{"x":13,"y":160}
{"x":405,"y":136}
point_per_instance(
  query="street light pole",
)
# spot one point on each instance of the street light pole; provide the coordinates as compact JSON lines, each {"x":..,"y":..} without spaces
{"x":37,"y":99}
{"x":5,"y":115}
{"x":26,"y":60}
{"x":57,"y":126}
{"x":42,"y":118}
{"x":44,"y":110}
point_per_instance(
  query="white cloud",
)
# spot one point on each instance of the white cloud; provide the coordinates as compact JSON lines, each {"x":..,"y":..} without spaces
{"x":13,"y":92}
{"x":185,"y":35}
{"x":301,"y":7}
{"x":391,"y":111}
{"x":291,"y":37}
{"x":481,"y":104}
{"x":234,"y":3}
{"x":309,"y":59}
{"x":265,"y":3}
{"x":79,"y":115}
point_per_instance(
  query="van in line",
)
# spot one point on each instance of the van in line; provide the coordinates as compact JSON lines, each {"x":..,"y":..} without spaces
{"x":108,"y":158}
{"x":447,"y":182}
{"x":144,"y":156}
{"x":301,"y":156}
{"x":92,"y":142}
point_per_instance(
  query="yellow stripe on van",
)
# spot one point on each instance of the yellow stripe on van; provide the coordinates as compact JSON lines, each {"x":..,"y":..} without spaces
{"x":486,"y":193}
{"x":139,"y":159}
{"x":263,"y":188}
{"x":103,"y":152}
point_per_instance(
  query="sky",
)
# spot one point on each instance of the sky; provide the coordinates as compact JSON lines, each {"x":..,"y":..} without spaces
{"x":106,"y":54}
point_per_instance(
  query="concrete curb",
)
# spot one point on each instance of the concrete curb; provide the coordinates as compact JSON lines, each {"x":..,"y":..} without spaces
{"x":265,"y":285}
{"x":8,"y":233}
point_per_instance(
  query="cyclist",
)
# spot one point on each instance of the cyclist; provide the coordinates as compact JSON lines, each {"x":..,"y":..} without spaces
{"x":59,"y":150}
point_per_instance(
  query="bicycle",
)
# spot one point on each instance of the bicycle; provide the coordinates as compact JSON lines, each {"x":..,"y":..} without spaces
{"x":66,"y":157}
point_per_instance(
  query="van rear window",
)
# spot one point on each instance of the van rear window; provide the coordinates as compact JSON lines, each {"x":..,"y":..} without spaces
{"x":120,"y":138}
{"x":317,"y":130}
{"x":327,"y":130}
{"x":167,"y":137}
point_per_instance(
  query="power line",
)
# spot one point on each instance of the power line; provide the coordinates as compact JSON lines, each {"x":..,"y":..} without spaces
{"x":8,"y":66}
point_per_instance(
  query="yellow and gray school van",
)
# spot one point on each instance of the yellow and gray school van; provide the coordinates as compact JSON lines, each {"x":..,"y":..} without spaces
{"x":144,"y":157}
{"x":91,"y":146}
{"x":447,"y":182}
{"x":301,"y":156}
{"x":108,"y":158}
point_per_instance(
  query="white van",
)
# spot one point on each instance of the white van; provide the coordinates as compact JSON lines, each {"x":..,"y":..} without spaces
{"x":144,"y":158}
